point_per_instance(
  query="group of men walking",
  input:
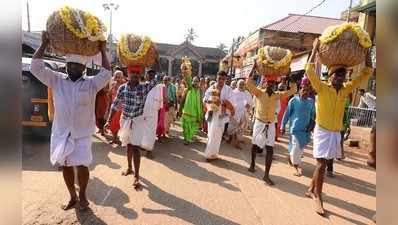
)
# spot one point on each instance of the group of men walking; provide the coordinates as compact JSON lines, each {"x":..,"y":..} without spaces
{"x":142,"y":111}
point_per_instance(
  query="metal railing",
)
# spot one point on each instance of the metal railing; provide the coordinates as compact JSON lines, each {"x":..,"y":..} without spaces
{"x":361,"y":117}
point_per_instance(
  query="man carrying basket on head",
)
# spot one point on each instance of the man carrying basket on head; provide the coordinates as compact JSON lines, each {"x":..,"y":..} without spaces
{"x":329,"y":117}
{"x":264,"y":125}
{"x":131,"y":96}
{"x":74,"y":118}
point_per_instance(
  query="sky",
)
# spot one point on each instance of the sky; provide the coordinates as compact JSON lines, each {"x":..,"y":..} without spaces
{"x":167,"y":21}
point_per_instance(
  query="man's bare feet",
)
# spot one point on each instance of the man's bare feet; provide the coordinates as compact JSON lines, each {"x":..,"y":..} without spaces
{"x":71,"y":204}
{"x":149,"y":154}
{"x":83,"y":204}
{"x":319,"y":206}
{"x":299,"y":172}
{"x":268,"y":181}
{"x":310,"y":194}
{"x":127,"y":172}
{"x":136,"y":184}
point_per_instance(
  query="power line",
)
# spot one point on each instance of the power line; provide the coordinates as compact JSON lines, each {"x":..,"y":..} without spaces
{"x":312,"y":9}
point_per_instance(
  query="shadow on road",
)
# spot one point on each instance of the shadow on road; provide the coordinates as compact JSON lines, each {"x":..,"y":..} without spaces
{"x":187,"y":166}
{"x":36,"y":155}
{"x":298,"y":189}
{"x":341,"y":180}
{"x":88,"y":217}
{"x":104,"y":195}
{"x":180,"y":208}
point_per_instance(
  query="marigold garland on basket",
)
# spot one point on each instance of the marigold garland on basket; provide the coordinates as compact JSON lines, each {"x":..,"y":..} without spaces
{"x":141,"y":51}
{"x":266,"y":60}
{"x":90,"y":28}
{"x":333,"y":32}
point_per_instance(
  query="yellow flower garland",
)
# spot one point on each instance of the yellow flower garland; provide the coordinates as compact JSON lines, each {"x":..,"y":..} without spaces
{"x":266,"y":60}
{"x":139,"y":54}
{"x":92,"y":27}
{"x":331,"y":33}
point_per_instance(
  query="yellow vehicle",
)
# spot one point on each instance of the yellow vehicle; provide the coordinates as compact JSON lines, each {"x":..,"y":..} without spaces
{"x":35,"y":117}
{"x":37,"y":109}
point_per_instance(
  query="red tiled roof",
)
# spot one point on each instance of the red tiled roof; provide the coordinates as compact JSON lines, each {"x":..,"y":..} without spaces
{"x":296,"y":23}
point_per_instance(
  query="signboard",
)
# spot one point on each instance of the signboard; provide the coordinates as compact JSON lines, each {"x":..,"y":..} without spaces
{"x":244,"y":72}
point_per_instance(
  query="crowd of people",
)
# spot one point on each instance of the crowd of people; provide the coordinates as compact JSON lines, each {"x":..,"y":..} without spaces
{"x":138,"y":111}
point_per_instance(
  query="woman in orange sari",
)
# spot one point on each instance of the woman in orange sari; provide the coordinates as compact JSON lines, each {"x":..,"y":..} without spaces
{"x":114,"y":125}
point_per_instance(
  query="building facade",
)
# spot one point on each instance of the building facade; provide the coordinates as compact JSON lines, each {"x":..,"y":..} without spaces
{"x":294,"y":32}
{"x":367,"y":19}
{"x":205,"y":61}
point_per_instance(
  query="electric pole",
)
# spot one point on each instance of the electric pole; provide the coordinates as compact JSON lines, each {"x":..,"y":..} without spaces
{"x":27,"y":10}
{"x":349,"y":12}
{"x":110,"y":6}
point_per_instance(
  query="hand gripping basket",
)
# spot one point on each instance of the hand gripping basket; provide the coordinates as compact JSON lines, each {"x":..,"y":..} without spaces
{"x":345,"y":44}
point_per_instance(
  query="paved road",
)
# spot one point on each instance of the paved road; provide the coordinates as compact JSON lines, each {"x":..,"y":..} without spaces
{"x":180,"y":187}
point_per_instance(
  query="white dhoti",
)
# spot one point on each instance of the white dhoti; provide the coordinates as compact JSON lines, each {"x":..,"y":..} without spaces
{"x":263,"y":134}
{"x":326,"y":143}
{"x":237,"y":125}
{"x":68,"y":151}
{"x":215,"y":132}
{"x":131,"y":130}
{"x":149,"y":131}
{"x":296,"y":151}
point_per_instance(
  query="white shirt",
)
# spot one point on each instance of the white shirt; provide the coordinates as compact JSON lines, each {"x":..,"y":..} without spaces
{"x":226,"y":93}
{"x":239,"y":100}
{"x":154,"y":100}
{"x":74,"y":102}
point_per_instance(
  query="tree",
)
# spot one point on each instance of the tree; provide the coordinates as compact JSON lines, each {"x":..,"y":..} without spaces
{"x":222,"y":47}
{"x":191,"y":35}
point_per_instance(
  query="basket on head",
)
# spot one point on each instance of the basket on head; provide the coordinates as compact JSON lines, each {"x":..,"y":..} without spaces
{"x":136,"y":50}
{"x":344,"y":44}
{"x":274,"y":61}
{"x":73,"y":31}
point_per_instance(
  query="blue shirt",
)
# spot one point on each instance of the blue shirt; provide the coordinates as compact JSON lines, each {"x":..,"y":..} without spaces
{"x":299,"y":113}
{"x":132,"y":98}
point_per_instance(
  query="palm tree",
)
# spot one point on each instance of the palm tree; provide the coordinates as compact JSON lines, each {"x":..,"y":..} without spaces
{"x":191,"y":35}
{"x":222,"y":47}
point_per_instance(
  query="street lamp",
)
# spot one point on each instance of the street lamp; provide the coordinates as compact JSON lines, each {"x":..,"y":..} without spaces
{"x":110,"y":6}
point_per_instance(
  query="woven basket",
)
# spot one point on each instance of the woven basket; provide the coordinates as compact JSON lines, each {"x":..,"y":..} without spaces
{"x":276,"y":54}
{"x":65,"y":42}
{"x":345,"y":50}
{"x":134,"y":43}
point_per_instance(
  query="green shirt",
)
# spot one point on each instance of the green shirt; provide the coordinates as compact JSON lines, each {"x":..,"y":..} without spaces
{"x":171,"y":93}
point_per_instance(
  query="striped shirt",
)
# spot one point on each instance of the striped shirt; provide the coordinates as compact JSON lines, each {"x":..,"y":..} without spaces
{"x":132,"y":99}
